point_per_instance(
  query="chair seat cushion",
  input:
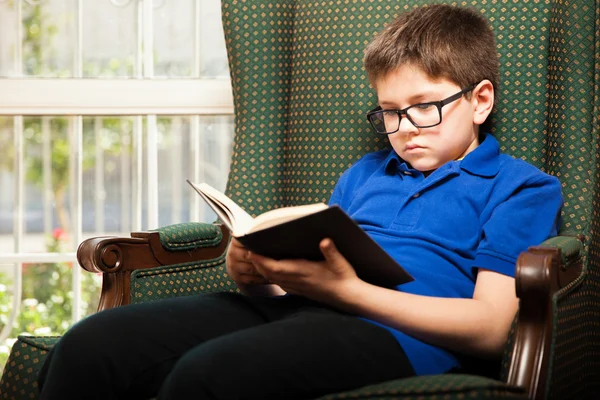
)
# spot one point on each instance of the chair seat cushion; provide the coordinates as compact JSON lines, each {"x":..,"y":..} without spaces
{"x":448,"y":386}
{"x":19,"y":379}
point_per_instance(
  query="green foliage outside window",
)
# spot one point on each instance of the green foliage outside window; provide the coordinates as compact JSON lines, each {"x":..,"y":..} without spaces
{"x":47,"y":297}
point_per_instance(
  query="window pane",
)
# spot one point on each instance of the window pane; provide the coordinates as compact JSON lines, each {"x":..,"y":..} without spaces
{"x":110,"y":36}
{"x":46,"y":155}
{"x":198,"y":152}
{"x":213,"y":54}
{"x":48,"y":29}
{"x":174,"y":38}
{"x":184,"y":45}
{"x":188,"y":147}
{"x":196,"y":148}
{"x":108,"y":180}
{"x":176,"y":45}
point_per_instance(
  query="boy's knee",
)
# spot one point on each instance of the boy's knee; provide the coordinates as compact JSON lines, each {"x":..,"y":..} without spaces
{"x":202,"y":373}
{"x":85,"y":341}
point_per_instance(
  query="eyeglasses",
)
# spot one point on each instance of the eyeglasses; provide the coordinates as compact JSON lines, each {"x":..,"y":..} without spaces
{"x":422,"y":115}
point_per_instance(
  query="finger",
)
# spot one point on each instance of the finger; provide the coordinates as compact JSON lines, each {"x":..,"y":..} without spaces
{"x":248,"y":269}
{"x":253,"y":280}
{"x":257,"y":258}
{"x":330,"y":252}
{"x":259,"y":263}
{"x":236,"y":243}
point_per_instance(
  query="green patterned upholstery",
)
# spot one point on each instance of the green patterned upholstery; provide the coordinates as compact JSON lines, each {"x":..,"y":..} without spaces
{"x":180,"y":280}
{"x":21,"y":370}
{"x":183,"y":279}
{"x":447,"y":387}
{"x":188,"y":236}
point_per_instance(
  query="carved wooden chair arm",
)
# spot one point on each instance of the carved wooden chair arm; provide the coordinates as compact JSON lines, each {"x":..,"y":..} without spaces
{"x":544,"y":273}
{"x":117,"y":257}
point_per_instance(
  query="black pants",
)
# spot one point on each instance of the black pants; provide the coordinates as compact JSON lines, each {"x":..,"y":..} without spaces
{"x":220,"y":346}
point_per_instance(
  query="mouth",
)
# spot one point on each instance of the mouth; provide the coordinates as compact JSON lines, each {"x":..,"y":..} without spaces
{"x":412,"y":147}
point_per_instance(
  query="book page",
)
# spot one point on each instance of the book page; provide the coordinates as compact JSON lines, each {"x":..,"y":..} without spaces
{"x":233,"y":216}
{"x":284,"y":214}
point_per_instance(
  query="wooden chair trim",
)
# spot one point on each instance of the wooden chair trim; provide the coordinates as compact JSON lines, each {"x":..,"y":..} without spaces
{"x":116,"y":257}
{"x":540,"y":274}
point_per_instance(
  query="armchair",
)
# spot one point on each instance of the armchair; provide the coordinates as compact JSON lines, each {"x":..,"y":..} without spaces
{"x":300,"y":96}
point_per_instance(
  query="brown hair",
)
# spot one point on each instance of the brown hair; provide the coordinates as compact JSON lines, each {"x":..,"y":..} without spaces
{"x":444,"y":41}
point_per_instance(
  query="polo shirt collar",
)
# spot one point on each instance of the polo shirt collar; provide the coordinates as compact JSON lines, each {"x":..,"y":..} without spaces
{"x":393,"y":163}
{"x":482,"y":161}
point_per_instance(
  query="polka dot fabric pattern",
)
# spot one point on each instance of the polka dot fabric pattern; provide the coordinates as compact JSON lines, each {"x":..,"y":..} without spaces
{"x":573,"y":131}
{"x":19,"y":379}
{"x":181,"y":280}
{"x":259,"y":46}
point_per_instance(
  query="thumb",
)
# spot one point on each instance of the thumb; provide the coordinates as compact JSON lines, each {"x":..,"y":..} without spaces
{"x":330,"y":252}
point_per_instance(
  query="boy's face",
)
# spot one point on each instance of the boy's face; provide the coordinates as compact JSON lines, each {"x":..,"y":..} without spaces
{"x":426,"y":149}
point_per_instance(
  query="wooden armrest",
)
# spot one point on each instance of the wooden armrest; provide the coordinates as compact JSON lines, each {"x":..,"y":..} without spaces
{"x":540,"y":274}
{"x":116,"y":257}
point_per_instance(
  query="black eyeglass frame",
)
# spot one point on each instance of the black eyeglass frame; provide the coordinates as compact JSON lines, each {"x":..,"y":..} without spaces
{"x":404,"y":111}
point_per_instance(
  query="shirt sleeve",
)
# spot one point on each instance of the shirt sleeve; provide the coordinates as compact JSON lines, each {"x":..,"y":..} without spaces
{"x":527,"y":217}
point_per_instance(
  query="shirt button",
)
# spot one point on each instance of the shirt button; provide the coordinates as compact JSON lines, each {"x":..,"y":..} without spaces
{"x":416,"y":195}
{"x":407,"y":173}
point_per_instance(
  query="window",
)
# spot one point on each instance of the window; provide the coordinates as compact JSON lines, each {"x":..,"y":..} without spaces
{"x":106,"y":107}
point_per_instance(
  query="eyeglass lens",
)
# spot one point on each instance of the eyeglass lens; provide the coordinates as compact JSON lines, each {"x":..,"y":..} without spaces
{"x":420,"y":115}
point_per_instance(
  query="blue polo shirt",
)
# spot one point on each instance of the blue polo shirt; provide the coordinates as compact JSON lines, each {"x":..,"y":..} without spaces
{"x":479,"y":212}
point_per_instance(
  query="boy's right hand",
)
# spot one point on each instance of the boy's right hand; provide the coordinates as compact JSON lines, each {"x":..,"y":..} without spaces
{"x":239,"y":267}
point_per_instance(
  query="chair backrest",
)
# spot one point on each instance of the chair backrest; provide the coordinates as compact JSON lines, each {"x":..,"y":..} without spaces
{"x":301,"y":95}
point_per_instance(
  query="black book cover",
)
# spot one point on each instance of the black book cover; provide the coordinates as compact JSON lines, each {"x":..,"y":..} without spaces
{"x":300,"y":238}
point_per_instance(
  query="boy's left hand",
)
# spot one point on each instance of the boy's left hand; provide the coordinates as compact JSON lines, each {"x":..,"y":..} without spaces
{"x":317,"y":280}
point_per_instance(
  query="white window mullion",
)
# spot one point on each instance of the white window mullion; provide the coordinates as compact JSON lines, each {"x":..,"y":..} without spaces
{"x":137,"y":176}
{"x":197,"y":174}
{"x":99,"y":192}
{"x":196,"y":156}
{"x":152,"y":169}
{"x":47,"y":174}
{"x":125,"y":178}
{"x":152,"y":131}
{"x":137,"y":143}
{"x":176,"y":172}
{"x":18,"y":47}
{"x":19,"y":213}
{"x":224,"y":139}
{"x":76,"y":166}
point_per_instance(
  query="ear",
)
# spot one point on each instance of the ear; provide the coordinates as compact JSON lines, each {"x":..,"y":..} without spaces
{"x":483,"y":101}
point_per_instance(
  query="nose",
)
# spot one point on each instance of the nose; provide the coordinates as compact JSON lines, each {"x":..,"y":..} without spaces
{"x":406,"y":126}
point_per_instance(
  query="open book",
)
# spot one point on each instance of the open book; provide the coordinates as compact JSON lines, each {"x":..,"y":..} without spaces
{"x":295,"y":232}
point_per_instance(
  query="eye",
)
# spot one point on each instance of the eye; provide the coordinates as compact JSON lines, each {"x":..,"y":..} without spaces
{"x":424,"y":107}
{"x":389,"y":113}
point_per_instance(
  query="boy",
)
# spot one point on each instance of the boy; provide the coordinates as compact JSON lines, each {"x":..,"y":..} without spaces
{"x":451,"y":209}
